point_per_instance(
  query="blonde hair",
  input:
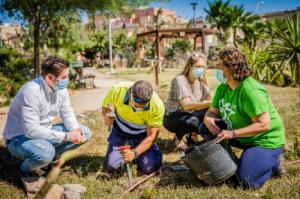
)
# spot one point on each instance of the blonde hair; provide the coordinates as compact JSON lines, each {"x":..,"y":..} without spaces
{"x":195,"y":57}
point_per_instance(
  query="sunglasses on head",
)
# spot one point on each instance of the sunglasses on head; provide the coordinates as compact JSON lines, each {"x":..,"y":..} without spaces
{"x":225,"y":53}
{"x":139,"y":101}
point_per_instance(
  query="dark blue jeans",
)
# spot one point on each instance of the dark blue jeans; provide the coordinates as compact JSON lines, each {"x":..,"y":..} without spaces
{"x":148,"y":162}
{"x":256,"y":165}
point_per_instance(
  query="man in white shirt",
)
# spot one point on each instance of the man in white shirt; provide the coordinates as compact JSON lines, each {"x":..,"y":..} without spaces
{"x":29,"y":131}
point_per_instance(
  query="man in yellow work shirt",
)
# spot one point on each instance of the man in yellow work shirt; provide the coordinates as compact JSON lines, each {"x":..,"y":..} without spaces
{"x":138,"y":117}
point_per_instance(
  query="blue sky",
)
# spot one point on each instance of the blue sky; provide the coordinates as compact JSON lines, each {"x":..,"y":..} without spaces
{"x":184,"y":9}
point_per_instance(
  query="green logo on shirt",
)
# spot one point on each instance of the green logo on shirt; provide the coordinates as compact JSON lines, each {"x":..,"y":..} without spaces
{"x":226,"y":110}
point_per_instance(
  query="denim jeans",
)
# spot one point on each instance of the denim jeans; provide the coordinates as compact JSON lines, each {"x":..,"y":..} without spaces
{"x":147,"y":162}
{"x":37,"y":153}
{"x":256,"y":165}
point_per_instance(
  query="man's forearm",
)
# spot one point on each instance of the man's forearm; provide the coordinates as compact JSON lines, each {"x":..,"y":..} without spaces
{"x":147,"y":142}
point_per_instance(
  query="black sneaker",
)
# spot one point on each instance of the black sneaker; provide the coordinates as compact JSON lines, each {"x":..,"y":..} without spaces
{"x":280,"y":170}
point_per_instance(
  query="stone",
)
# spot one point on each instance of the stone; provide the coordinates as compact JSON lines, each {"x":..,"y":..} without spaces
{"x":56,"y":192}
{"x":32,"y":185}
{"x":75,"y":188}
{"x":72,"y":195}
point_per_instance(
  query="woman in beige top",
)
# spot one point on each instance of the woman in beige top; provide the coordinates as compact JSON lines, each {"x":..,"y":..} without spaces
{"x":188,"y":101}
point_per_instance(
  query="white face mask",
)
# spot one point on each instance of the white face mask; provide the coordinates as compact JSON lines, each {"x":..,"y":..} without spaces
{"x":136,"y":108}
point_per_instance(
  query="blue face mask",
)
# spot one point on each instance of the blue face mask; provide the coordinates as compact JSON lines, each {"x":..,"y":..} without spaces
{"x":62,"y":84}
{"x":198,"y":72}
{"x":220,"y":76}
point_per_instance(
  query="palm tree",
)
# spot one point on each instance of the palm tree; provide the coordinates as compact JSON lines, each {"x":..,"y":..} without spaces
{"x":237,"y":20}
{"x":253,"y":29}
{"x":217,"y":16}
{"x":286,"y":46}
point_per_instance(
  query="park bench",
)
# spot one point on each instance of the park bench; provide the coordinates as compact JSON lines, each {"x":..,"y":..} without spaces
{"x":82,"y":77}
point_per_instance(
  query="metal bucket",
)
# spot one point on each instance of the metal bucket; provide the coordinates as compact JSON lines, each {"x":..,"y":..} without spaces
{"x":210,"y":161}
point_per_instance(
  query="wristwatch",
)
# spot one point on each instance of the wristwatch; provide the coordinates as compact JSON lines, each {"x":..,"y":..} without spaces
{"x":136,"y":155}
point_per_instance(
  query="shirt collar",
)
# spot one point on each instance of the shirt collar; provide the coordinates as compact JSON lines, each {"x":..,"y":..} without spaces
{"x":46,"y":87}
{"x":126,"y":100}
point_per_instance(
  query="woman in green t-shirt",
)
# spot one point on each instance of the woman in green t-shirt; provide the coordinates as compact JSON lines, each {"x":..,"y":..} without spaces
{"x":243,"y":113}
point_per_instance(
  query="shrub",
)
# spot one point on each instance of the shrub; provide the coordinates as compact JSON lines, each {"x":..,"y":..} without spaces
{"x":15,"y":70}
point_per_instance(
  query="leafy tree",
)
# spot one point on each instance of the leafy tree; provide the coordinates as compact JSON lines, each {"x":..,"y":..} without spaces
{"x":97,"y":43}
{"x":39,"y":13}
{"x":14,"y":72}
{"x":181,"y":46}
{"x":65,"y":31}
{"x":125,"y":45}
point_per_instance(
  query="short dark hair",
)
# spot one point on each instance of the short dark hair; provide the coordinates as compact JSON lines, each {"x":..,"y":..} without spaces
{"x":142,"y":90}
{"x":236,"y":61}
{"x":54,"y":65}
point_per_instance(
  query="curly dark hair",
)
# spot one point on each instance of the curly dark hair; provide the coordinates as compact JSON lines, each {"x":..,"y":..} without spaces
{"x":54,"y":65}
{"x":237,"y":63}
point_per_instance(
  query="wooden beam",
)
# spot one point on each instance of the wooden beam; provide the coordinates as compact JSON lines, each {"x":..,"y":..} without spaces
{"x":207,"y":31}
{"x":138,"y":51}
{"x":195,"y":44}
{"x":157,"y":67}
{"x":203,"y":42}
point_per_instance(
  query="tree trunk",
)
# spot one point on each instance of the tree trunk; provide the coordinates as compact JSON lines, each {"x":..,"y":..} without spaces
{"x":36,"y":46}
{"x":298,"y":69}
{"x":234,"y":37}
{"x":56,"y":47}
{"x":45,"y":47}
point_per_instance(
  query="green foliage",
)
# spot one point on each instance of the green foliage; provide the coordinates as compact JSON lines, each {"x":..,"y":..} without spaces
{"x":263,"y":69}
{"x":218,"y":17}
{"x":40,"y":14}
{"x":223,"y":16}
{"x":14,"y":72}
{"x":125,"y":45}
{"x":97,"y":43}
{"x":178,"y":47}
{"x":285,"y":46}
{"x":66,"y":31}
{"x":254,"y":30}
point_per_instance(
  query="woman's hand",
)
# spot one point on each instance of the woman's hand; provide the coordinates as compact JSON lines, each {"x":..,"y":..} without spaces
{"x":225,"y":135}
{"x":210,"y":123}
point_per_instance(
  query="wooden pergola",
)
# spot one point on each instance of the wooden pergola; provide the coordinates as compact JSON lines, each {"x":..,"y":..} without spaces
{"x":161,"y":34}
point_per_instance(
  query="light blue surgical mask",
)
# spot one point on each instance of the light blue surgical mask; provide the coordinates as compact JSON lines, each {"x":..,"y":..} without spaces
{"x":62,"y":84}
{"x":198,"y":72}
{"x":220,"y":76}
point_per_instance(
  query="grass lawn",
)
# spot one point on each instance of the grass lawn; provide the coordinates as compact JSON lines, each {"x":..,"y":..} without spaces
{"x":86,"y":169}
